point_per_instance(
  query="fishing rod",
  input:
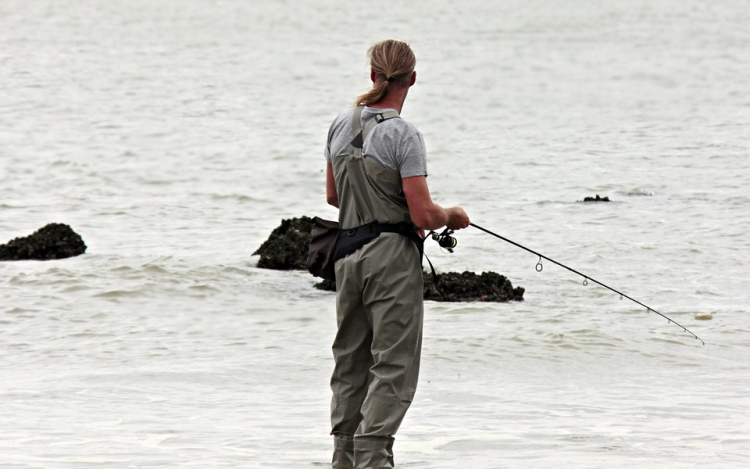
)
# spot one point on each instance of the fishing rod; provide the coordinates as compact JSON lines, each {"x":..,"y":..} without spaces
{"x":447,"y":241}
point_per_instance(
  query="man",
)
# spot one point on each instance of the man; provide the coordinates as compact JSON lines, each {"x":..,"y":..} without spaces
{"x":376,"y":172}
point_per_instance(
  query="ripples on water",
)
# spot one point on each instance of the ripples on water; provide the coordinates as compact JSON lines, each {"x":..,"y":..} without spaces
{"x":174,"y":138}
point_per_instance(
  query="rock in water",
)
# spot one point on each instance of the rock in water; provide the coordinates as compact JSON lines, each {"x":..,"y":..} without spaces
{"x":326,"y":285}
{"x":596,"y":199}
{"x":53,"y":241}
{"x":286,"y":248}
{"x":468,"y":286}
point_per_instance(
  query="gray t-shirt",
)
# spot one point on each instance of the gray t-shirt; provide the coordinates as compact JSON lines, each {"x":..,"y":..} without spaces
{"x":394,"y":143}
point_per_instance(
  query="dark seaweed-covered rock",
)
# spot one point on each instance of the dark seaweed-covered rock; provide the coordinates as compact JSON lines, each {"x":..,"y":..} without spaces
{"x":468,"y":286}
{"x":326,"y":285}
{"x":596,"y":199}
{"x":286,"y":248}
{"x":53,"y":241}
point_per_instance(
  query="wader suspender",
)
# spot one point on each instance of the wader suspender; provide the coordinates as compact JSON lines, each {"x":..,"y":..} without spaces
{"x":358,"y":135}
{"x":351,"y":240}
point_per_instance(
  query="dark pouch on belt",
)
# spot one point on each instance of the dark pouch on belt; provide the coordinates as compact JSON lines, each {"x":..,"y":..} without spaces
{"x":352,"y":239}
{"x":320,"y":259}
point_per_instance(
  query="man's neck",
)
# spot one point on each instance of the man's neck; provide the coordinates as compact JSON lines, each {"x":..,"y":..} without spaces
{"x":393,"y":100}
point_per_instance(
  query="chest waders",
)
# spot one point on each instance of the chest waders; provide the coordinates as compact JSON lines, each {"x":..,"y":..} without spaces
{"x":379,"y":310}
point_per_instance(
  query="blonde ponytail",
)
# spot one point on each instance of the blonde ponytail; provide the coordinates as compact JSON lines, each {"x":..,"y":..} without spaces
{"x":393,"y":61}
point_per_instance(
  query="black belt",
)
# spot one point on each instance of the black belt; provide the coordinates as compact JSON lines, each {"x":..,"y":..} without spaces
{"x":349,"y":240}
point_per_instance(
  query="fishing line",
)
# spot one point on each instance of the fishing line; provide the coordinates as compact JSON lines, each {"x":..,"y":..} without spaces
{"x":586,"y":279}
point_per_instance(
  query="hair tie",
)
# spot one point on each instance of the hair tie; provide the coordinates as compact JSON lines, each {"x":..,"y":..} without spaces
{"x":388,"y":79}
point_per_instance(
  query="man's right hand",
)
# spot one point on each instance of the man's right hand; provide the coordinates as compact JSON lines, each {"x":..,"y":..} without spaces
{"x":457,"y":218}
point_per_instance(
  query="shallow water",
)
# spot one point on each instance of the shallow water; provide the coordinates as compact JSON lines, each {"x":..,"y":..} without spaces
{"x":175,"y":137}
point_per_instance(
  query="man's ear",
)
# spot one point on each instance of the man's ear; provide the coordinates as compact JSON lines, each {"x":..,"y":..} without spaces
{"x":413,"y":78}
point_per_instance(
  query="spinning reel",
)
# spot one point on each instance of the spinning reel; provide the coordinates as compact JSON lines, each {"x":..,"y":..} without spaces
{"x":444,"y":239}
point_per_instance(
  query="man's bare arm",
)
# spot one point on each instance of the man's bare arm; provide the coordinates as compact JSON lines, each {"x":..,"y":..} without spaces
{"x":425,"y":213}
{"x":331,"y":196}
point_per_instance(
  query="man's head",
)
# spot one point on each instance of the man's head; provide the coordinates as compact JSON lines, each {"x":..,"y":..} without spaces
{"x":392,"y":61}
{"x":392,"y":64}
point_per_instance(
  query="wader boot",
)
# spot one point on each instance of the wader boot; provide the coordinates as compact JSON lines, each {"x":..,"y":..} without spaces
{"x":343,"y":451}
{"x":379,"y":311}
{"x":374,"y":452}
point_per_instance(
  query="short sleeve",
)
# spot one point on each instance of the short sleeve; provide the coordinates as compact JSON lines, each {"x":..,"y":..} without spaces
{"x":327,"y":151}
{"x":412,"y":160}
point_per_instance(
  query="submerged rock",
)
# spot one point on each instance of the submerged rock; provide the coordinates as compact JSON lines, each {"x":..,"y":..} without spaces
{"x":640,"y":193}
{"x":326,"y":285}
{"x":53,"y":241}
{"x":287,"y":245}
{"x":466,"y":286}
{"x":596,"y":199}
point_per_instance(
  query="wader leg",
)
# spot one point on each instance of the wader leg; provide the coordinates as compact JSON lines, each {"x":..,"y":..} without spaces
{"x":373,"y":452}
{"x":351,"y":351}
{"x":393,"y":300}
{"x":343,"y":451}
{"x":379,"y":311}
